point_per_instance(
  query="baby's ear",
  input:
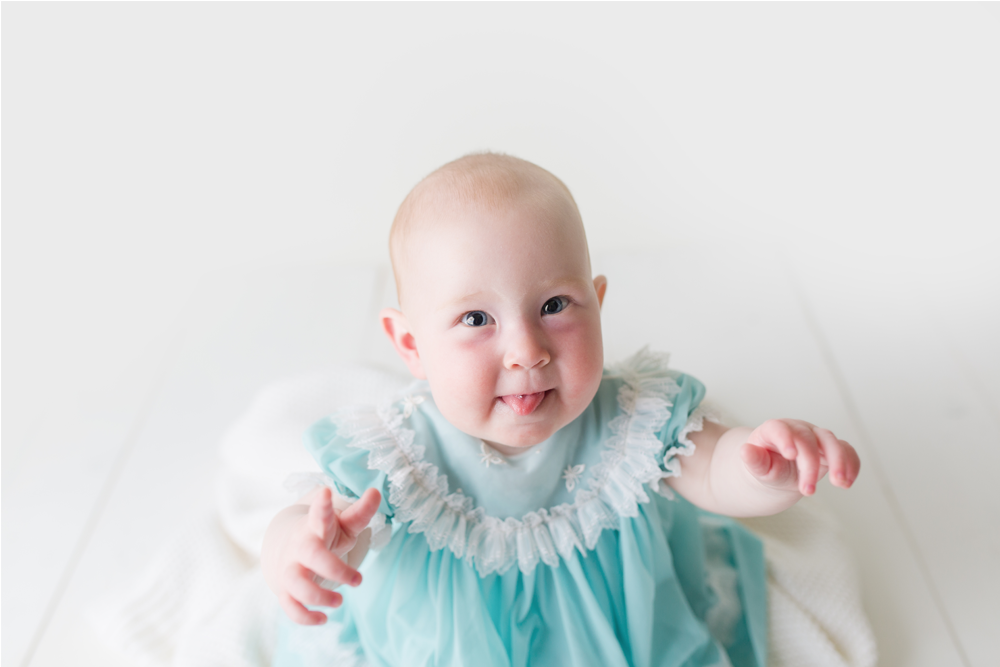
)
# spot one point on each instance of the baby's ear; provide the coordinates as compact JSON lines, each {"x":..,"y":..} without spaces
{"x":601,"y":285}
{"x":398,"y":330}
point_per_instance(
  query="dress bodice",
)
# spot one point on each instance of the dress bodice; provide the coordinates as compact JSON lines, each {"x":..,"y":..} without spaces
{"x":575,"y":547}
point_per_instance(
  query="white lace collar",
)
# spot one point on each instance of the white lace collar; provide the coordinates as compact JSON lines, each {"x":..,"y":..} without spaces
{"x":629,"y":464}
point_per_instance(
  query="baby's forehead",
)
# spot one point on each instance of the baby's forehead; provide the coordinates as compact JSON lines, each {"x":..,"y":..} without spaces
{"x":530,"y":216}
{"x":482,"y":199}
{"x":490,"y":183}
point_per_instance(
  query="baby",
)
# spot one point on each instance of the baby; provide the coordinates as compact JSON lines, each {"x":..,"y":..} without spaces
{"x":523,"y":504}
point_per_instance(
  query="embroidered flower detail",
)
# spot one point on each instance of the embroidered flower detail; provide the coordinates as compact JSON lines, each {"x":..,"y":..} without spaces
{"x":490,"y":457}
{"x":410,"y":404}
{"x":571,"y":474}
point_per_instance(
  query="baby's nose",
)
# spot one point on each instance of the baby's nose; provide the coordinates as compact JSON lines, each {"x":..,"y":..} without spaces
{"x":526,"y":350}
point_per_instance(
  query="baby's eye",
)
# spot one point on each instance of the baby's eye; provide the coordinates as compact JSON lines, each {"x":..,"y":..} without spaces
{"x":554,"y":305}
{"x":476,"y":318}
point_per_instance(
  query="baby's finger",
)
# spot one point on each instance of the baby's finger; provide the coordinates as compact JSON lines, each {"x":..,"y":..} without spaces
{"x":304,"y":589}
{"x":298,"y":613}
{"x":843,"y":460}
{"x":321,"y":517}
{"x":327,"y":565}
{"x":355,"y":518}
{"x":776,"y":435}
{"x":852,"y":462}
{"x":807,"y":461}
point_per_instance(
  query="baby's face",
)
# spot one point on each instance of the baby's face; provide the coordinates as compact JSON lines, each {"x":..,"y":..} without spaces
{"x":505,"y":320}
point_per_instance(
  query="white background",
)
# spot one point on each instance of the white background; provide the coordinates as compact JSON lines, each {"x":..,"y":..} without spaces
{"x":147,"y":146}
{"x":151,"y":150}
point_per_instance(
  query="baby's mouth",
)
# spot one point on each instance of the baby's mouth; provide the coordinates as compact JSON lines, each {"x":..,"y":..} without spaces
{"x":524,"y":404}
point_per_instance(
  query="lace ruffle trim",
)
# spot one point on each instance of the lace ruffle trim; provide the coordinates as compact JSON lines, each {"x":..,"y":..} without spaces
{"x":684,"y":447}
{"x":419,"y":492}
{"x":695,"y":423}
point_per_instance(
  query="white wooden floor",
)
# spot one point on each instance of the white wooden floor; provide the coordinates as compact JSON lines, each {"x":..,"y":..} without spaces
{"x":909,"y":376}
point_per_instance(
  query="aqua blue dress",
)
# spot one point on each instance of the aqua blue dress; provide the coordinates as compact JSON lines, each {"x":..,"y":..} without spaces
{"x":573,"y":553}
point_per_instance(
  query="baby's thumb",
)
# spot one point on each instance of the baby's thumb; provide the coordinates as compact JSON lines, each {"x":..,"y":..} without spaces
{"x":756,"y":459}
{"x":322,"y":519}
{"x":768,"y":466}
{"x":355,"y":518}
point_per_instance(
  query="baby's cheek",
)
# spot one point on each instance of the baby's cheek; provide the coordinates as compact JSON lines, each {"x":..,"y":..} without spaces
{"x":583,"y":367}
{"x":464,"y":385}
{"x":582,"y":346}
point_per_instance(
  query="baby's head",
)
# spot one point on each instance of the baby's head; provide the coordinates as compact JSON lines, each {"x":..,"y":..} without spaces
{"x":499,"y":310}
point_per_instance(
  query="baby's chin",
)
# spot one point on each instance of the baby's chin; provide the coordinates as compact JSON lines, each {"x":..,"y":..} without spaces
{"x":513,"y":449}
{"x":522,"y":438}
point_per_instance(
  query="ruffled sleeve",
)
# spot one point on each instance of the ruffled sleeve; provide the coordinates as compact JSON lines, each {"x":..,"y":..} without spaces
{"x":659,"y":407}
{"x":685,"y":417}
{"x":333,"y":444}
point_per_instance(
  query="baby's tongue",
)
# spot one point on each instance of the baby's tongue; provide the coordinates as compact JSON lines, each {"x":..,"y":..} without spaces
{"x":523,"y":404}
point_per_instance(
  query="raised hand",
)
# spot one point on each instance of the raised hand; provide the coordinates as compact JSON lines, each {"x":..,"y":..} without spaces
{"x":305,"y":549}
{"x":790,"y":454}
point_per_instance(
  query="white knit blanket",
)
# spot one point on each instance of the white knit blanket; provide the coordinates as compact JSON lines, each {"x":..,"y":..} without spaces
{"x":203,"y":601}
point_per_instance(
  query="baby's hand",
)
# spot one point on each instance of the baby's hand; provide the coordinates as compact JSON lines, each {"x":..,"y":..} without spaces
{"x":791,"y":454}
{"x":316,"y":542}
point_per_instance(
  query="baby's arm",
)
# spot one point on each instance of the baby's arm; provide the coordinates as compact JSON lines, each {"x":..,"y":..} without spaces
{"x":744,"y":472}
{"x":307,"y":542}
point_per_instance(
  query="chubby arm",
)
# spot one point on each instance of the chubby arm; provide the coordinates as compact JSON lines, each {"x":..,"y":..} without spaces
{"x":312,"y":540}
{"x":744,"y":472}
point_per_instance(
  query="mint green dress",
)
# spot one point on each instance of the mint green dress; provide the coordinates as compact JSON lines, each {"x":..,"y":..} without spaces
{"x":573,"y":553}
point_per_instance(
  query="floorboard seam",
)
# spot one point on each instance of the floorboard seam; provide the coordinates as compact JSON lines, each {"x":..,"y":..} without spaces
{"x":895,"y":507}
{"x":102,"y":500}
